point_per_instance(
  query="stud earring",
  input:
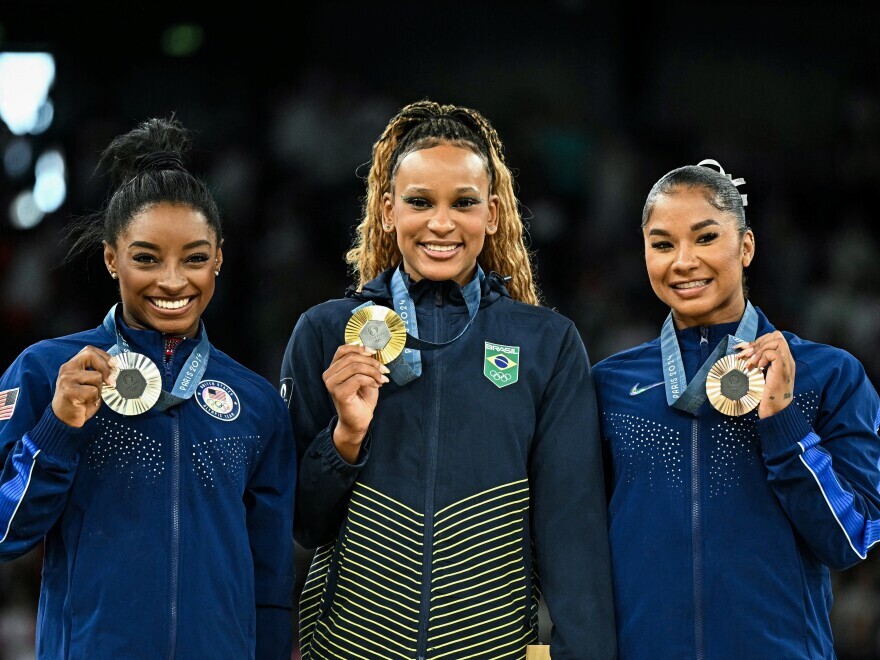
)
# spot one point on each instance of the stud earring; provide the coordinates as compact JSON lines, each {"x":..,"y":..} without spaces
{"x":114,"y":275}
{"x":217,"y":273}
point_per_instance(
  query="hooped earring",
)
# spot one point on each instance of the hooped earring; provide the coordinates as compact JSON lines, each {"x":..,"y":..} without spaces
{"x":217,"y":273}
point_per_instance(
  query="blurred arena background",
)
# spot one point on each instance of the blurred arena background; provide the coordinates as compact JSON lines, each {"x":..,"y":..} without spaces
{"x":593,"y":101}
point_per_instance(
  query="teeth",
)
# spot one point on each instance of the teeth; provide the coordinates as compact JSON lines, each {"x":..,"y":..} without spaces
{"x":691,"y":285}
{"x":439,"y":248}
{"x":170,"y":304}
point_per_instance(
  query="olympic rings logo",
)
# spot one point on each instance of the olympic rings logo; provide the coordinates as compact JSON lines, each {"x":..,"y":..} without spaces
{"x":500,"y":377}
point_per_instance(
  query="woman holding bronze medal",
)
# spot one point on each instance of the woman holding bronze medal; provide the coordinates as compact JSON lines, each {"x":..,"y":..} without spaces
{"x":742,"y":460}
{"x":159,"y":472}
{"x":450,"y":466}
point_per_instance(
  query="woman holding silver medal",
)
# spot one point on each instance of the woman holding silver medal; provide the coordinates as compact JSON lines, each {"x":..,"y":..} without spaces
{"x":159,"y":471}
{"x":450,"y":467}
{"x":743,"y":460}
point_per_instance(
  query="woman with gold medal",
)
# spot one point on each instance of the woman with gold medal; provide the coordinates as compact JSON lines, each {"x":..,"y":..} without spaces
{"x":450,"y":467}
{"x":743,"y":462}
{"x":158,"y":471}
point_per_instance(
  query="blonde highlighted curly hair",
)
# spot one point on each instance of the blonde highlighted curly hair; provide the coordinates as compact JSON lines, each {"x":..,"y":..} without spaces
{"x":422,"y":125}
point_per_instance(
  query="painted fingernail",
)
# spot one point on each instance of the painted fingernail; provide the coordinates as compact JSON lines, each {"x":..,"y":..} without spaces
{"x":384,"y":379}
{"x":369,"y":351}
{"x":384,"y":369}
{"x":113,"y":362}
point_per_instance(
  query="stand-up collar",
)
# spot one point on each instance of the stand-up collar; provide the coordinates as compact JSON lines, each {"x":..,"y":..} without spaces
{"x":379,"y":289}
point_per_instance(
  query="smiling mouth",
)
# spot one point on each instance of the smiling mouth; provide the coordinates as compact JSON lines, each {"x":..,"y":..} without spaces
{"x":436,"y":247}
{"x":164,"y":303}
{"x":690,"y":285}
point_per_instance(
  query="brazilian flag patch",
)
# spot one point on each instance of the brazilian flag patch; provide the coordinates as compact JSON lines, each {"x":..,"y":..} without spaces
{"x":501,"y":364}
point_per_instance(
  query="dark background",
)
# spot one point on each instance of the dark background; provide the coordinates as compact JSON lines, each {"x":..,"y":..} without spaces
{"x":594,"y":102}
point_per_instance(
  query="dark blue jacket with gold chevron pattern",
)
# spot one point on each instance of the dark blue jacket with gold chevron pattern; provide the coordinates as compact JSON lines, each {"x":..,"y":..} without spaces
{"x":470,"y":501}
{"x":723,"y":530}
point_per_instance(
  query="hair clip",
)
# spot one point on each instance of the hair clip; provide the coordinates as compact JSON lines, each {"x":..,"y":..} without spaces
{"x":735,"y":182}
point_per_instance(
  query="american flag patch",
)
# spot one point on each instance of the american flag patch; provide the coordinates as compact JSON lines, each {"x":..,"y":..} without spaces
{"x":7,"y":403}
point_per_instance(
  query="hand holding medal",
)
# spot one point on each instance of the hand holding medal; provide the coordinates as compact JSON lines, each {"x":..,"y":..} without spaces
{"x":353,"y":380}
{"x":79,"y":384}
{"x":771,"y":353}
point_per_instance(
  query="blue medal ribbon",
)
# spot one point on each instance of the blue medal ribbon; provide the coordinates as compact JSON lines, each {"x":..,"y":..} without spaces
{"x":408,"y":365}
{"x":685,"y":396}
{"x":188,"y":378}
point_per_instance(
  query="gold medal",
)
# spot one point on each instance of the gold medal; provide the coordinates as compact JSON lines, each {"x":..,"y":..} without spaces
{"x":732,"y":389}
{"x":138,"y":385}
{"x":379,"y":328}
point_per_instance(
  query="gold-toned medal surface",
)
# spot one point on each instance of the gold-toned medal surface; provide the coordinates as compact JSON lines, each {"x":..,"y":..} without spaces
{"x":138,"y":385}
{"x":379,"y":328}
{"x":732,"y":389}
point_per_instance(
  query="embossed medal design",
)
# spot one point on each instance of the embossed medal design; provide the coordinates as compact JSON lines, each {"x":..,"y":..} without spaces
{"x":138,"y":385}
{"x":379,"y":328}
{"x":733,"y":390}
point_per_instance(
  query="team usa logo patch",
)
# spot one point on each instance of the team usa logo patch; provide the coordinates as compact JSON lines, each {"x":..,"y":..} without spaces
{"x":501,"y":364}
{"x":218,"y":400}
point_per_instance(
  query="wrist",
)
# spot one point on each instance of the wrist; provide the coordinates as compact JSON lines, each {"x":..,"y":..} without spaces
{"x":348,"y":441}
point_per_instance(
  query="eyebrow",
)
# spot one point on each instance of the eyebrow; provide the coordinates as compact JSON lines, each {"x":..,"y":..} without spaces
{"x":697,"y":226}
{"x":425,"y":191}
{"x":153,"y":246}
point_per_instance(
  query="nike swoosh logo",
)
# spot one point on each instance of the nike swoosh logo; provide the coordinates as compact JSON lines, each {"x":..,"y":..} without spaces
{"x":638,"y":390}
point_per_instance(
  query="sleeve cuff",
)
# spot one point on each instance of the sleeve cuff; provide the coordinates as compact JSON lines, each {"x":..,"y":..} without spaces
{"x":331,"y":458}
{"x":780,"y":432}
{"x":58,"y":440}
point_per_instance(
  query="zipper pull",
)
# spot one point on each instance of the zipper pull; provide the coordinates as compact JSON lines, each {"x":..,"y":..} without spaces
{"x":704,"y":335}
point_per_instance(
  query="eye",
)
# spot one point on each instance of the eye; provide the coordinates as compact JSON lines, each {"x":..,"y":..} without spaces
{"x":198,"y":258}
{"x":417,"y":202}
{"x":467,"y":202}
{"x":144,"y":258}
{"x":661,"y":245}
{"x":708,"y":237}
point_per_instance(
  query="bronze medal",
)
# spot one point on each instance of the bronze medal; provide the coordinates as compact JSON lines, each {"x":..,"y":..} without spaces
{"x":733,"y":390}
{"x":379,"y":328}
{"x":138,"y":385}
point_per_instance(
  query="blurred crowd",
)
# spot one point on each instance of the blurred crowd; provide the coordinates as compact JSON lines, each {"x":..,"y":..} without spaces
{"x":588,"y":124}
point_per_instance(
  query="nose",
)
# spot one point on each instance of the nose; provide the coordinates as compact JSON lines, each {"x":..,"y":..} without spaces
{"x":685,"y":258}
{"x":441,"y":222}
{"x":172,"y":277}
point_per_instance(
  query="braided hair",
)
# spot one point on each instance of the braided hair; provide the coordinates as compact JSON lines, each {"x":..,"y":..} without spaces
{"x":426,"y":124}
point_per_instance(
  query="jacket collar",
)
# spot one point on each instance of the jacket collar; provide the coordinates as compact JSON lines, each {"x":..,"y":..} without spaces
{"x":689,"y":338}
{"x":378,"y":290}
{"x":151,"y":342}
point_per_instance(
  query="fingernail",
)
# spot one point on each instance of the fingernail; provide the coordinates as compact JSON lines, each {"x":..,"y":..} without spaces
{"x":369,"y":351}
{"x":384,"y":379}
{"x":113,"y":362}
{"x":384,"y":369}
{"x":112,"y":380}
{"x":742,"y":344}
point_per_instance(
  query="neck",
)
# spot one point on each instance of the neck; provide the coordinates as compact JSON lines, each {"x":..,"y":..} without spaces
{"x":728,"y":313}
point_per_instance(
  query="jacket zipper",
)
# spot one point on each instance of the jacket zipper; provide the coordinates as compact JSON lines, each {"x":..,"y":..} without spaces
{"x":431,"y":476}
{"x":175,"y":511}
{"x":697,"y":527}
